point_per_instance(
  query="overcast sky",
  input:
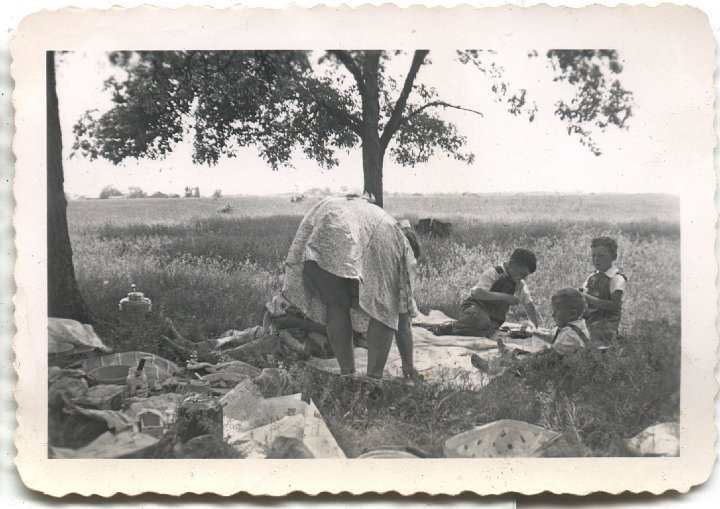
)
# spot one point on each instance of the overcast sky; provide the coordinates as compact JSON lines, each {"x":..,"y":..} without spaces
{"x":512,"y":154}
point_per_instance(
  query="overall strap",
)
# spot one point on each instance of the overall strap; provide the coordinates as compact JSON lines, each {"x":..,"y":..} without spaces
{"x":557,"y":333}
{"x":579,"y":332}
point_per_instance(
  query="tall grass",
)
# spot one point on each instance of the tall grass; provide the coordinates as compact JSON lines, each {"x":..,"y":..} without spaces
{"x":211,"y":272}
{"x":595,"y":400}
{"x":650,"y":262}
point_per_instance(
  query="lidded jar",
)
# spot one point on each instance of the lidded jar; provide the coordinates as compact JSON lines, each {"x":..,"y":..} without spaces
{"x":134,"y":307}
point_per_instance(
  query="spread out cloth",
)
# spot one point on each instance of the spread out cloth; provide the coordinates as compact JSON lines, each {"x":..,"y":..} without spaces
{"x":442,"y":359}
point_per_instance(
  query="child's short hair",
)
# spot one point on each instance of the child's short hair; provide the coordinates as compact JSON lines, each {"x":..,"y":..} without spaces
{"x":524,"y":257}
{"x":607,"y":242}
{"x":569,"y":298}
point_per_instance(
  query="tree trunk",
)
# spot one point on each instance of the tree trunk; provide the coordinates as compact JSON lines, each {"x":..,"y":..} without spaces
{"x":372,"y":150}
{"x":64,"y":299}
{"x":373,"y":168}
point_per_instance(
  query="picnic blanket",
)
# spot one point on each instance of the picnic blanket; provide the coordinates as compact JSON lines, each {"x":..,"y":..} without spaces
{"x":434,"y":317}
{"x":441,"y":359}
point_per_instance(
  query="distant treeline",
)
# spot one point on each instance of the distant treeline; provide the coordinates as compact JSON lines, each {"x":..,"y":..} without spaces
{"x":110,"y":192}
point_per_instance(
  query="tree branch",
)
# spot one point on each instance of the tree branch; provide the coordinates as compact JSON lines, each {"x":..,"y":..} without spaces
{"x":433,"y":104}
{"x":396,"y":116}
{"x":347,"y":60}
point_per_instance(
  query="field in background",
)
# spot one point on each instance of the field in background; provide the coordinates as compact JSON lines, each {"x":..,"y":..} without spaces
{"x":612,"y":208}
{"x":211,"y":271}
{"x":174,"y":248}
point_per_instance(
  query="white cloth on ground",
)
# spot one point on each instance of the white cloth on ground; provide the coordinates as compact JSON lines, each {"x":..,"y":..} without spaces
{"x":434,"y":317}
{"x":443,"y":359}
{"x":64,"y":330}
{"x":251,"y":423}
{"x":658,"y":440}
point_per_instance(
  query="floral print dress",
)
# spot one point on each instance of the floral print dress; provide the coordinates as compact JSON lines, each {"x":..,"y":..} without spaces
{"x":353,"y":239}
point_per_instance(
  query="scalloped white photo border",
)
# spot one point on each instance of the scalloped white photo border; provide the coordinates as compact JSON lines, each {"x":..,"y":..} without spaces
{"x":384,"y":27}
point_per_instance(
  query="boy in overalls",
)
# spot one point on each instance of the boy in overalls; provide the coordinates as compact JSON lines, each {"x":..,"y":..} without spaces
{"x":603,"y":291}
{"x":570,"y":335}
{"x":500,"y":287}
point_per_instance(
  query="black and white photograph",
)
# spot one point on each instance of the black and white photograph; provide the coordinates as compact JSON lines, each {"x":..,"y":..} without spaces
{"x":438,"y":252}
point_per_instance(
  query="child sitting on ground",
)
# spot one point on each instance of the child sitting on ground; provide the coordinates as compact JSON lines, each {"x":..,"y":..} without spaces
{"x":500,"y":287}
{"x":571,"y":334}
{"x":603,"y":292}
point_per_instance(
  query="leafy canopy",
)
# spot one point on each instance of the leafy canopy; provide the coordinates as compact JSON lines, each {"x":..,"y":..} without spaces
{"x":276,"y":101}
{"x":599,"y":98}
{"x":281,"y":101}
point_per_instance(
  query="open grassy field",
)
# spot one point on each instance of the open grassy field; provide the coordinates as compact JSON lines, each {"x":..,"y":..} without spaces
{"x":211,"y":271}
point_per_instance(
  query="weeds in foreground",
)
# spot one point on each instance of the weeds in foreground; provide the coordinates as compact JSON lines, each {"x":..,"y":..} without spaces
{"x":596,"y":400}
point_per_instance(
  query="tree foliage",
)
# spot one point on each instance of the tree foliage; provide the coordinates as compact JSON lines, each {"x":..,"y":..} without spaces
{"x":600,"y":99}
{"x":319,"y":103}
{"x":277,"y":101}
{"x":515,"y":99}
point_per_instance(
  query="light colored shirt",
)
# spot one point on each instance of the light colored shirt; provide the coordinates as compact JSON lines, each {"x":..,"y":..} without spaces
{"x":567,"y":340}
{"x":490,"y":277}
{"x":617,"y":282}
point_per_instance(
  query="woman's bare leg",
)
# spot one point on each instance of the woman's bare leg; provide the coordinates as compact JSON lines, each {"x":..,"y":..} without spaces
{"x":379,"y":339}
{"x":404,"y":340}
{"x":335,"y":294}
